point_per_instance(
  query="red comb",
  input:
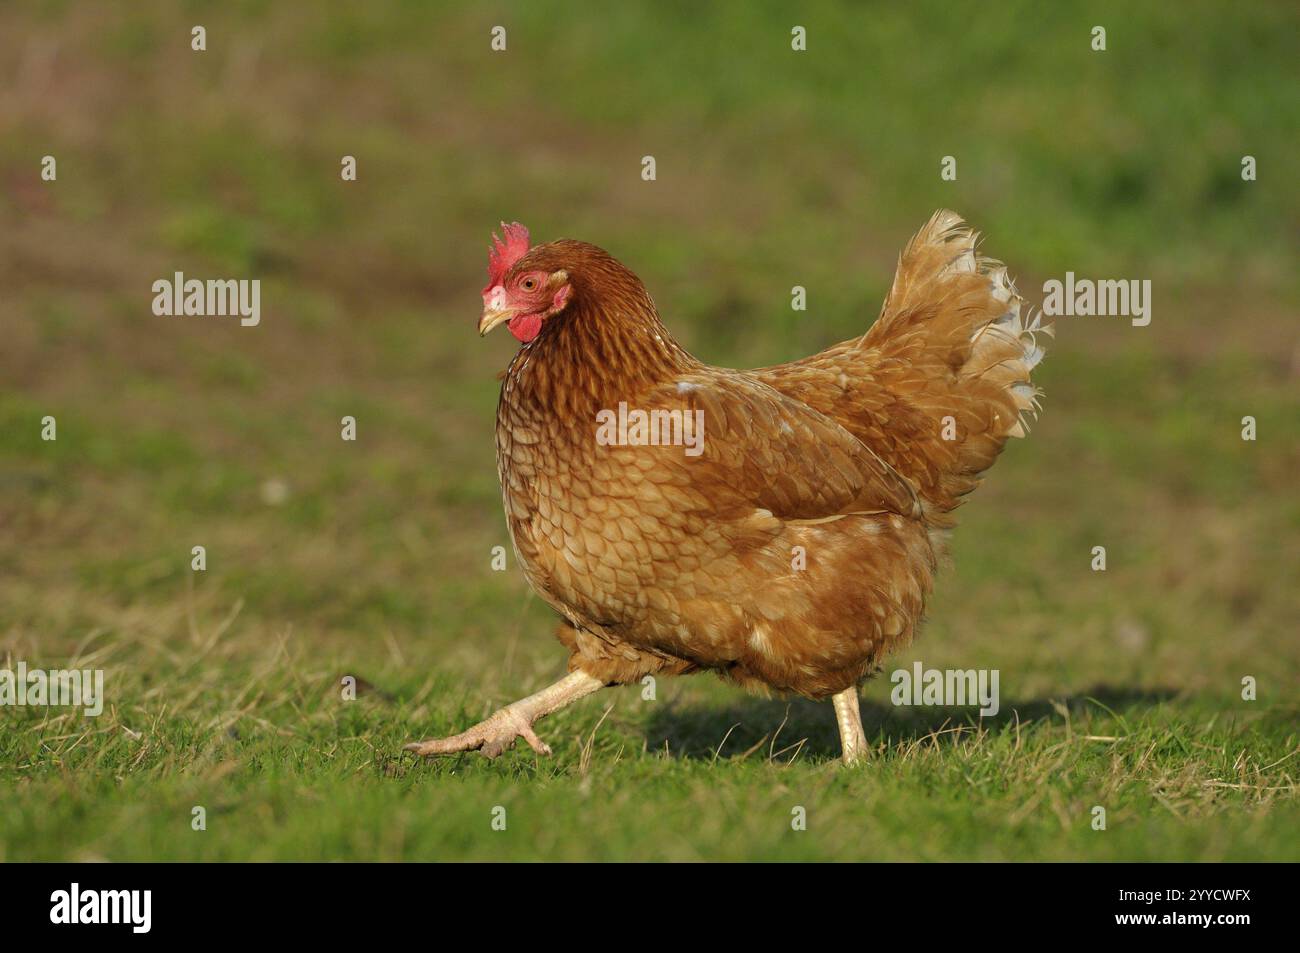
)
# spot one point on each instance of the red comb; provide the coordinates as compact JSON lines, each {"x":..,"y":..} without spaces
{"x":503,"y":255}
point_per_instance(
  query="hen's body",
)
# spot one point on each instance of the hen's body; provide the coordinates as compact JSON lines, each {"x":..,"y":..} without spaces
{"x":665,"y":562}
{"x":799,"y":546}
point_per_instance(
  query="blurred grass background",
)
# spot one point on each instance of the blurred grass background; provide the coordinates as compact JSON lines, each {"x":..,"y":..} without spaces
{"x":774,"y":169}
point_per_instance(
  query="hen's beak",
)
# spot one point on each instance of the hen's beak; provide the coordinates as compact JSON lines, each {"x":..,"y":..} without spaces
{"x":492,"y":317}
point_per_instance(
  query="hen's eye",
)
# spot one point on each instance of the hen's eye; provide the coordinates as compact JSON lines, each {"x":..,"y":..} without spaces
{"x":530,"y":284}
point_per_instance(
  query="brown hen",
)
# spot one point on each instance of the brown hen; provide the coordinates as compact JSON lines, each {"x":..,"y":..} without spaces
{"x":779,"y":526}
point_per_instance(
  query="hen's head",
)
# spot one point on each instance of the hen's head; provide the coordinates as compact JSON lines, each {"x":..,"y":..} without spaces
{"x":520,"y":295}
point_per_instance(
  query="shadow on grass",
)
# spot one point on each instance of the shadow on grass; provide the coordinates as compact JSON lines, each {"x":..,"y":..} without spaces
{"x":695,"y":731}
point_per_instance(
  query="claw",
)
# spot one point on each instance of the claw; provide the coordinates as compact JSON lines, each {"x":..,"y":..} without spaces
{"x":500,"y":730}
{"x":534,"y":742}
{"x":490,"y":737}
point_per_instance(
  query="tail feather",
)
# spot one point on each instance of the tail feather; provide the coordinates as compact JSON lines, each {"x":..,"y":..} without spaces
{"x":955,"y":343}
{"x":942,"y":380}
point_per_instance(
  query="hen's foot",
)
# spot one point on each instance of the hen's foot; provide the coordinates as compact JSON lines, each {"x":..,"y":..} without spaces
{"x":500,"y":730}
{"x":490,"y":737}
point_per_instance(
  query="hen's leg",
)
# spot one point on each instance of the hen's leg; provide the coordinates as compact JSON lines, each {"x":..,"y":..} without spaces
{"x":849,"y":716}
{"x":499,"y":731}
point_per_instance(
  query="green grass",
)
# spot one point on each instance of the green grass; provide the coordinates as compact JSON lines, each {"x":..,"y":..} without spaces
{"x":284,"y":768}
{"x":1120,"y":689}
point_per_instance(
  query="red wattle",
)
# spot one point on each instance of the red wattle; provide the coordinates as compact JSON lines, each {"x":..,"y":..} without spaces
{"x":525,"y":327}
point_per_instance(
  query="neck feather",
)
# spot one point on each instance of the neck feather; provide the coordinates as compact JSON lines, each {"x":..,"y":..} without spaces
{"x":608,"y":345}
